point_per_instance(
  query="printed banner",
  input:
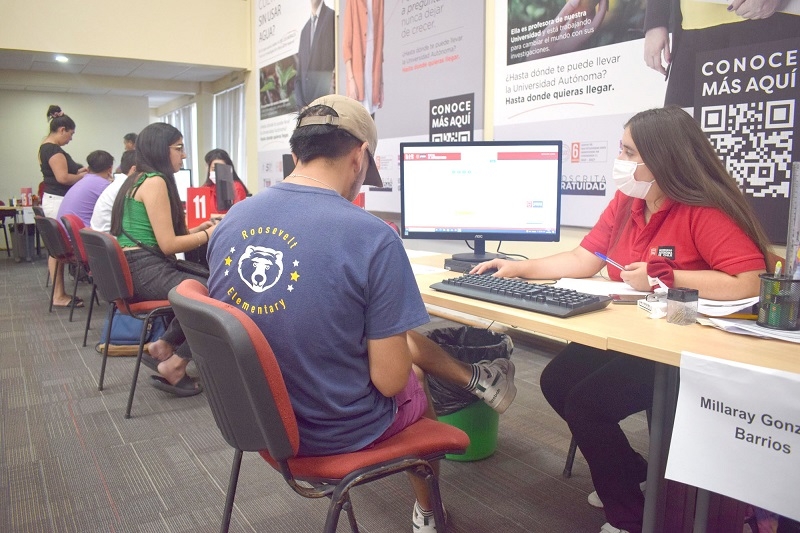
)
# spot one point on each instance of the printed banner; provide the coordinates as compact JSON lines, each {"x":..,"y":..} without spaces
{"x":573,"y":71}
{"x":295,"y":61}
{"x":746,"y":102}
{"x":422,"y":77}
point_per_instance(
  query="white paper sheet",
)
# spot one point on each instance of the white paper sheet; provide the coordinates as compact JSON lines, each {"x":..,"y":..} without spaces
{"x":734,"y":432}
{"x":597,"y":286}
{"x":723,"y":308}
{"x":749,"y":327}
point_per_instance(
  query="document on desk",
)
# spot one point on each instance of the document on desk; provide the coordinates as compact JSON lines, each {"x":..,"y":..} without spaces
{"x":724,"y":307}
{"x":597,"y":286}
{"x":737,"y":432}
{"x":750,"y":327}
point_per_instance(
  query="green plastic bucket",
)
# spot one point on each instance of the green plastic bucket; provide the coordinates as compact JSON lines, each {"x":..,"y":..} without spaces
{"x":480,"y":422}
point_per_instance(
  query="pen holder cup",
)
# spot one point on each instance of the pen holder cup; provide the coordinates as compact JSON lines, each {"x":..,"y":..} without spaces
{"x":779,"y":302}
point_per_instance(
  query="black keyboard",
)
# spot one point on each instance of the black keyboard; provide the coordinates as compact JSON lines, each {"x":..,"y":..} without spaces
{"x":539,"y":298}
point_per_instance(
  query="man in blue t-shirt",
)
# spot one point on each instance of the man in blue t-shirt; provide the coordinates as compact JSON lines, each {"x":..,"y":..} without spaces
{"x":331,"y":287}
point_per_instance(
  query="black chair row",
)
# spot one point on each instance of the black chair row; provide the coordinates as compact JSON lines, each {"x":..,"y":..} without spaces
{"x":246,"y":392}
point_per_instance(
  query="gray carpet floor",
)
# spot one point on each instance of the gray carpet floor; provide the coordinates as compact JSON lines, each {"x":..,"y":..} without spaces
{"x":70,"y":461}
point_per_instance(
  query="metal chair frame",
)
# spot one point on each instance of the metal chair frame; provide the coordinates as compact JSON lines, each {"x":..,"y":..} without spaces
{"x":59,"y":248}
{"x":112,"y":277}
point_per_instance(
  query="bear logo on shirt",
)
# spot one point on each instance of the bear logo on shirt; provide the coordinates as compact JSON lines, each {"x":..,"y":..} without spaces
{"x":260,"y":267}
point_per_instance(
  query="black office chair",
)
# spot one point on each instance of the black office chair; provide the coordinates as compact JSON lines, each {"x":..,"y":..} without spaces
{"x":59,"y":247}
{"x":73,"y":225}
{"x":112,"y":277}
{"x":251,"y":407}
{"x":3,"y":225}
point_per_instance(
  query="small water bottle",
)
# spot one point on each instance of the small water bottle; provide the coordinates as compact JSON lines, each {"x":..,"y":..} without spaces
{"x":682,"y":306}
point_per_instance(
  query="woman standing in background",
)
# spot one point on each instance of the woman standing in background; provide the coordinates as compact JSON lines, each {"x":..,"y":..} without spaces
{"x":60,"y":172}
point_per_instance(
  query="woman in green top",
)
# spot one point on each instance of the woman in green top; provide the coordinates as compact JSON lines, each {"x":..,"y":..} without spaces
{"x":148,"y":210}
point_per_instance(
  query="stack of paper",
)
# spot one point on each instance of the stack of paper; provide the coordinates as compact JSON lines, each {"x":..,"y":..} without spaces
{"x":749,"y":327}
{"x":723,"y":308}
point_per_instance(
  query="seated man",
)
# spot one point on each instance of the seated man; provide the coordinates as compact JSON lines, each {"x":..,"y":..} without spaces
{"x":331,"y":287}
{"x":82,"y":196}
{"x":101,"y":215}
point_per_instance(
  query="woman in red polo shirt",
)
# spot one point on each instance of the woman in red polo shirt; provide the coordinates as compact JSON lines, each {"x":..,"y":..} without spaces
{"x":677,"y":216}
{"x":218,"y":155}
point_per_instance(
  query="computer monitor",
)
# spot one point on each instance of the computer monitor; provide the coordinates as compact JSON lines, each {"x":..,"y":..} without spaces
{"x":481,"y":191}
{"x":225,"y":191}
{"x":183,"y":180}
{"x":288,"y":164}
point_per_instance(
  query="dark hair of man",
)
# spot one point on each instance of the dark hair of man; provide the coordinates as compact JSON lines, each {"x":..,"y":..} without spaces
{"x":218,"y":154}
{"x":126,"y":161}
{"x":320,"y":140}
{"x":130,"y":137}
{"x":153,"y":155}
{"x":688,"y":170}
{"x":99,"y":161}
{"x":58,"y":119}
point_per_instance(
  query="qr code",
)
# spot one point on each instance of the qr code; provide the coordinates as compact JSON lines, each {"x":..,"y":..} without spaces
{"x":452,"y":136}
{"x":754,"y":141}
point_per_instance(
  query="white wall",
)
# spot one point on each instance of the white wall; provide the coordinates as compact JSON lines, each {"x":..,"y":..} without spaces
{"x":101,"y":122}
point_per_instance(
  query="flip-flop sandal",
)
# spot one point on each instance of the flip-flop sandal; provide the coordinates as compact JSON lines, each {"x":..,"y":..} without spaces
{"x":184,"y":388}
{"x":78,"y":303}
{"x":150,"y":362}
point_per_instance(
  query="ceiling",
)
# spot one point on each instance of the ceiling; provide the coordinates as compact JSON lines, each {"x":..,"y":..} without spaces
{"x":159,"y":81}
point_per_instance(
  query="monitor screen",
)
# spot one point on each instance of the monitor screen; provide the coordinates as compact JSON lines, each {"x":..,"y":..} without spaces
{"x":225,"y":191}
{"x":481,"y":191}
{"x":183,"y":180}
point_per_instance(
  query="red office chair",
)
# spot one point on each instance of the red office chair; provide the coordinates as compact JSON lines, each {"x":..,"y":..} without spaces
{"x":58,"y":246}
{"x":112,"y":277}
{"x":251,"y":406}
{"x":73,"y":224}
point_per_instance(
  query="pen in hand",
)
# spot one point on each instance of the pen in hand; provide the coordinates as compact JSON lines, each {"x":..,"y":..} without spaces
{"x":609,"y":260}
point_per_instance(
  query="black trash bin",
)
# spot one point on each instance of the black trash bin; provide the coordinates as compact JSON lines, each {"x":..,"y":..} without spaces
{"x":460,"y":408}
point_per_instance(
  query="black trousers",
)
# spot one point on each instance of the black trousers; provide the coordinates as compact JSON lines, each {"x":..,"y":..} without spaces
{"x":153,"y":278}
{"x":593,"y":390}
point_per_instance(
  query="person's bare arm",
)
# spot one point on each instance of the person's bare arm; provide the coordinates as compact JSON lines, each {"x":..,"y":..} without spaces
{"x":389,"y":363}
{"x":153,"y":193}
{"x":58,"y":163}
{"x":577,"y":263}
{"x":712,"y":284}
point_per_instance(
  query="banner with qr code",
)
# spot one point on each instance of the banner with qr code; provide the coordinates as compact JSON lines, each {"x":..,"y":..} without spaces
{"x":452,"y":119}
{"x":746,"y":102}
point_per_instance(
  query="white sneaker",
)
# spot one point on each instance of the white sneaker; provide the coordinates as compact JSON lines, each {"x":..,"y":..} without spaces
{"x":496,"y":383}
{"x":421,"y":521}
{"x":595,"y":501}
{"x":608,"y":528}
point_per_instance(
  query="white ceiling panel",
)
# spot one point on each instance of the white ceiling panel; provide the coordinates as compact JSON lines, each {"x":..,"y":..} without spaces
{"x":21,"y":60}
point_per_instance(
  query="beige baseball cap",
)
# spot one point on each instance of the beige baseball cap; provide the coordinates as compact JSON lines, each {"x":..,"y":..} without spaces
{"x":353,"y":119}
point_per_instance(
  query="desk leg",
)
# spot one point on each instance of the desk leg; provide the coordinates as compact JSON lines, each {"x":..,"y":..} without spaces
{"x":701,"y":511}
{"x":665,"y":398}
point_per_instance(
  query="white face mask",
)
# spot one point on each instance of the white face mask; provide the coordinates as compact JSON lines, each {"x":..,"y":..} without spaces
{"x":212,"y":176}
{"x":622,"y":174}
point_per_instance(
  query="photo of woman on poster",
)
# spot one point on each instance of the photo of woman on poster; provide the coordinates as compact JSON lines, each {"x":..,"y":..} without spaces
{"x":545,"y":28}
{"x":362,"y":51}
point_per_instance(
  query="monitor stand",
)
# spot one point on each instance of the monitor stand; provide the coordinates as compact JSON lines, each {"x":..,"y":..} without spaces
{"x":479,"y":254}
